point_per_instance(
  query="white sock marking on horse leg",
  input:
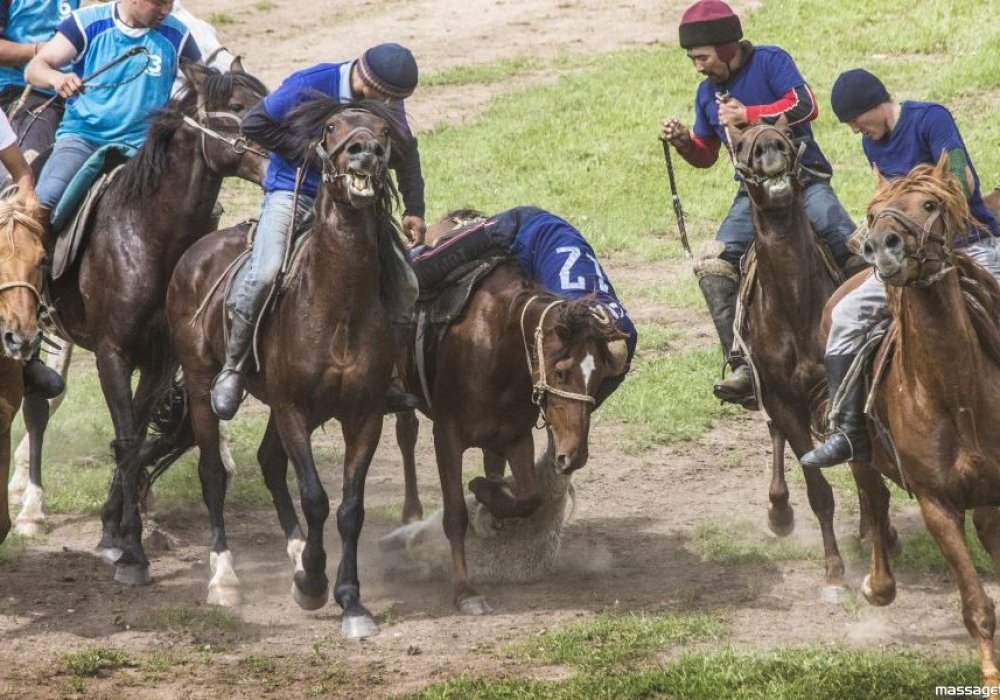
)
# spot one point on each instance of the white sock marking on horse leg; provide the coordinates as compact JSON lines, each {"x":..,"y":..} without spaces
{"x":587,"y":367}
{"x":224,"y":588}
{"x":294,"y":549}
{"x":30,"y":522}
{"x":227,"y":456}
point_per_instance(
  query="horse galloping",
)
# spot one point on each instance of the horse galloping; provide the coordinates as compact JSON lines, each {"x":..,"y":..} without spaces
{"x":327,"y":350}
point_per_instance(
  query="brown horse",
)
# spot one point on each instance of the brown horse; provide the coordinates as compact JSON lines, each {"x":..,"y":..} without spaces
{"x":939,"y":396}
{"x":21,"y":258}
{"x":792,"y":284}
{"x":516,"y":351}
{"x":111,"y":300}
{"x":326,"y":351}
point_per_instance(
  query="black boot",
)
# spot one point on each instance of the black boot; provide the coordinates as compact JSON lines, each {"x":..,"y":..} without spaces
{"x":720,"y":295}
{"x":396,"y":400}
{"x":41,"y":379}
{"x":227,"y":389}
{"x":849,"y":441}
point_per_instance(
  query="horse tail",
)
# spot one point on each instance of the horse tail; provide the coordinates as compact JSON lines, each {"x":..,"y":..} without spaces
{"x":170,"y":431}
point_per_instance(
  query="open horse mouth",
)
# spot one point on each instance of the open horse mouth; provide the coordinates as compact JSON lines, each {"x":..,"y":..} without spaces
{"x":778,"y":185}
{"x":360,"y":188}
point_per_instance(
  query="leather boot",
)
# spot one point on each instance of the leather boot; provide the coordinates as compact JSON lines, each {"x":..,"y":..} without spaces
{"x":396,"y":400}
{"x":41,"y":379}
{"x":720,"y":295}
{"x":849,"y":441}
{"x":227,"y":389}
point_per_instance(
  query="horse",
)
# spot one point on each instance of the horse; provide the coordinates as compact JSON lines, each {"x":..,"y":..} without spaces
{"x":939,"y":393}
{"x":516,"y":353}
{"x":111,"y":300}
{"x":22,"y":256}
{"x":326,"y":350}
{"x":791,"y":286}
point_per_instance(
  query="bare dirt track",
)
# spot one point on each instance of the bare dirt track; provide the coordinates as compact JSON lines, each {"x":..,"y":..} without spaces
{"x":628,"y":548}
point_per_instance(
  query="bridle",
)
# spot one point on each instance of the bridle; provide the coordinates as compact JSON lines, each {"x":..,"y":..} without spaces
{"x":748,"y":174}
{"x":542,"y":387}
{"x":923,"y":234}
{"x":239,"y":144}
{"x":327,"y":168}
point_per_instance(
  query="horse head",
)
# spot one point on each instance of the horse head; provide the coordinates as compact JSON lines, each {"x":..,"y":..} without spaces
{"x":766,"y":159}
{"x":912,"y":222}
{"x":214,"y":105}
{"x":577,"y":346}
{"x":22,"y":256}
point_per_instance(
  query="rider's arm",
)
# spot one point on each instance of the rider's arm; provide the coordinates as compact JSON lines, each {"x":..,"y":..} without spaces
{"x":271,"y":134}
{"x":406,"y":163}
{"x":11,"y":52}
{"x":43,"y":70}
{"x":13,"y":160}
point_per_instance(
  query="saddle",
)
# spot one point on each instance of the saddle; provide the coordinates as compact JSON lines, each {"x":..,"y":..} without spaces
{"x":73,"y":215}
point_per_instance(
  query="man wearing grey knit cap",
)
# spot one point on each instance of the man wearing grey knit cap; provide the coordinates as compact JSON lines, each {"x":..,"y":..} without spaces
{"x":385,"y":73}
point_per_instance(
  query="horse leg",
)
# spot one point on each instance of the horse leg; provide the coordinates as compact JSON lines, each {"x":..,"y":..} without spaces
{"x":4,"y":471}
{"x":448,"y":450}
{"x":274,"y":467}
{"x":879,"y":586}
{"x":122,"y":522}
{"x":360,"y":440}
{"x":494,"y":464}
{"x":407,"y":428}
{"x":30,"y":522}
{"x":987,"y":522}
{"x":780,"y":516}
{"x":947,"y":526}
{"x":495,"y":495}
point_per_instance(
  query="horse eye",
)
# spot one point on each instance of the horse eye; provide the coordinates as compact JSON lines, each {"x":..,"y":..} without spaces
{"x":871,"y":219}
{"x":236,"y":107}
{"x":561,"y":376}
{"x":930,"y":205}
{"x":329,"y":127}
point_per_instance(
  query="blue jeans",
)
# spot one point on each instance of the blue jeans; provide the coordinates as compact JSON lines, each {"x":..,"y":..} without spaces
{"x":824,"y":210}
{"x":253,"y":284}
{"x":68,"y":156}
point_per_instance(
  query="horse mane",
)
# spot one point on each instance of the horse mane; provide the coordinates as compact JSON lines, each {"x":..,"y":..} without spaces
{"x":15,"y":211}
{"x":946,"y":190}
{"x":575,"y":320}
{"x":140,"y":177}
{"x":981,"y":294}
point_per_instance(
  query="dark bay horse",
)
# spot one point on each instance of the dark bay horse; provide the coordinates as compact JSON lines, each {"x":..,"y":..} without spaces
{"x":515,"y":352}
{"x":327,"y":351}
{"x":111,"y":300}
{"x":939,"y":397}
{"x":792,"y":284}
{"x":21,"y":276}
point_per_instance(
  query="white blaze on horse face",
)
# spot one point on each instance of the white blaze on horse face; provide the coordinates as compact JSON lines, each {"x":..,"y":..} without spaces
{"x":587,"y":367}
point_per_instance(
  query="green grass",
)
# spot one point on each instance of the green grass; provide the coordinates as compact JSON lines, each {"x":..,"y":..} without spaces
{"x":95,"y":660}
{"x":742,"y":542}
{"x":201,"y":624}
{"x":12,"y":547}
{"x":220,"y":18}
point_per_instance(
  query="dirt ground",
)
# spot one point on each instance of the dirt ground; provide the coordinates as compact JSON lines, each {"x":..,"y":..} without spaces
{"x":628,"y":547}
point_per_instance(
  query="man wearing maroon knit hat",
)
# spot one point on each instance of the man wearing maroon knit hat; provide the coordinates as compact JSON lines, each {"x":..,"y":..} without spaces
{"x":747,"y":85}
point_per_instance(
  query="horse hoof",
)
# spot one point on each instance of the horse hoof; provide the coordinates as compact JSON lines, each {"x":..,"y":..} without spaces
{"x":834,"y":595}
{"x":476,"y":605}
{"x":225,"y":596}
{"x":874,"y":598}
{"x":308,"y":602}
{"x":111,"y":555}
{"x":358,"y":627}
{"x":29,"y":528}
{"x":781,"y":521}
{"x":133,"y":574}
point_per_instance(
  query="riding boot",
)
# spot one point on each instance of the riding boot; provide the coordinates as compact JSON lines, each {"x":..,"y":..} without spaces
{"x":227,"y":389}
{"x":849,"y":441}
{"x":720,"y":295}
{"x":395,"y":398}
{"x":41,"y":379}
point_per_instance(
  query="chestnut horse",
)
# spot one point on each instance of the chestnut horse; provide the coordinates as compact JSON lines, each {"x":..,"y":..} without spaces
{"x":21,"y":258}
{"x":792,"y":284}
{"x":111,"y":300}
{"x":939,"y":396}
{"x":515,"y":352}
{"x":327,"y":351}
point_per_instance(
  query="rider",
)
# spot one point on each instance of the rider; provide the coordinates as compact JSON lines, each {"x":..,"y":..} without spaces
{"x":118,"y":109}
{"x":387,"y":73}
{"x":24,"y":26}
{"x":746,"y":85}
{"x":895,"y":137}
{"x":550,"y":252}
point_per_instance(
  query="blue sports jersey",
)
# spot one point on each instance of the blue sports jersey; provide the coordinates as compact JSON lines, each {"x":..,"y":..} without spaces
{"x":767,"y":76}
{"x":924,"y":131}
{"x":120,"y":114}
{"x":30,"y":22}
{"x":557,"y":256}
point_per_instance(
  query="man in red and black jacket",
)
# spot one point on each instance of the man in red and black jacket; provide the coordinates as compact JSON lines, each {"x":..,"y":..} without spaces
{"x":747,"y":85}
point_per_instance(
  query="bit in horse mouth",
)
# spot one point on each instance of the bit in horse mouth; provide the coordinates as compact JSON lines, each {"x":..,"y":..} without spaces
{"x":778,"y":184}
{"x":361,"y":185}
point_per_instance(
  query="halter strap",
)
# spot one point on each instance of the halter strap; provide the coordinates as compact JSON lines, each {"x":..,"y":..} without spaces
{"x":240,"y":144}
{"x":26,"y":285}
{"x":747,"y":173}
{"x":922,"y":234}
{"x":328,"y":169}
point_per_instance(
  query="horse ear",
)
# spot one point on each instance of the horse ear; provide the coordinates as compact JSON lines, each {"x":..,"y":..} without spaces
{"x":782,"y":123}
{"x":195,"y":74}
{"x":941,"y":169}
{"x":880,"y":181}
{"x":618,"y":350}
{"x":237,"y":65}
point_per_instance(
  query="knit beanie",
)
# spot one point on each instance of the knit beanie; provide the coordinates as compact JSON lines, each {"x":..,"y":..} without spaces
{"x":390,"y":69}
{"x":855,"y":92}
{"x":709,"y":23}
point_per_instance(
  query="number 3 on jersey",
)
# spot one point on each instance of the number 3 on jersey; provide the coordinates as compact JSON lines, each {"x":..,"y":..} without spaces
{"x":568,"y":282}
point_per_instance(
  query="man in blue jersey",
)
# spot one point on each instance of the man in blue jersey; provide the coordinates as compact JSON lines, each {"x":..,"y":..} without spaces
{"x":387,"y":73}
{"x":895,"y":138}
{"x":25,"y":25}
{"x":117,"y":110}
{"x":550,"y":252}
{"x":747,"y":85}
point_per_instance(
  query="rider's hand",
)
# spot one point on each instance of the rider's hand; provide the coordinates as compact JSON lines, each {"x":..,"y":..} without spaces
{"x":68,"y":84}
{"x":676,"y":134}
{"x":414,"y":228}
{"x":732,"y":112}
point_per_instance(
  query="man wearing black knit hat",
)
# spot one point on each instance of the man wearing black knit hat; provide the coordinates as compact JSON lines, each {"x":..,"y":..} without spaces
{"x":747,"y":85}
{"x":896,"y":137}
{"x":386,"y":73}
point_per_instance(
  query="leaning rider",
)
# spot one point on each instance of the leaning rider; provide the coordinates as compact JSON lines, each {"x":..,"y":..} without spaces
{"x":746,"y":85}
{"x":386,"y":73}
{"x":550,"y":251}
{"x":896,"y":137}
